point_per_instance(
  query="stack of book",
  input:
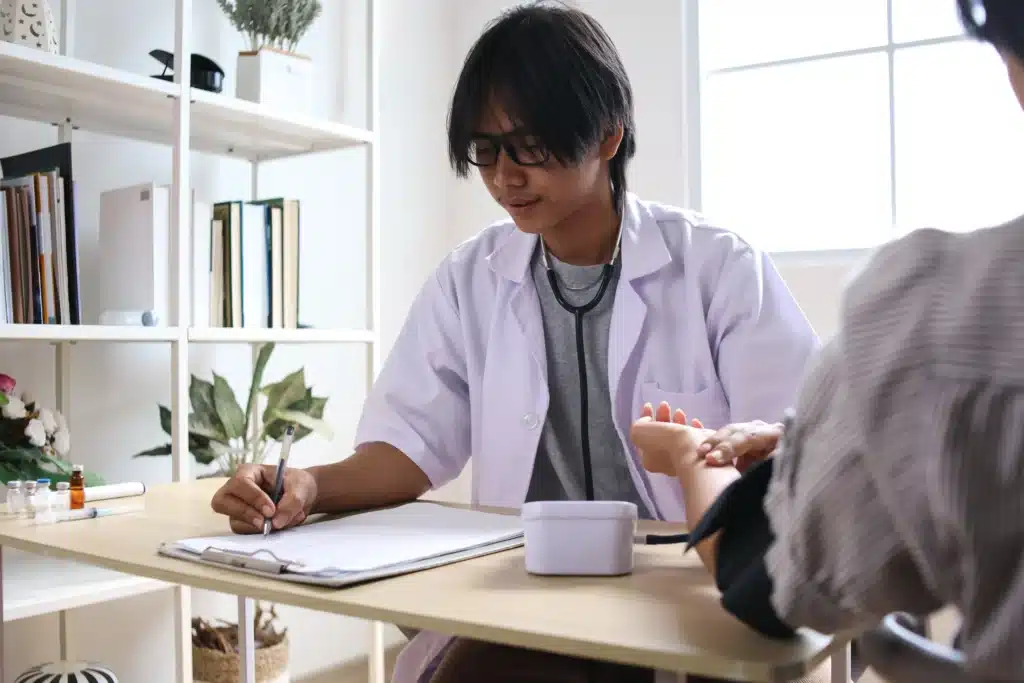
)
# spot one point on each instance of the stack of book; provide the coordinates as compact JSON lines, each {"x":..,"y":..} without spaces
{"x":254,"y":264}
{"x":38,"y":245}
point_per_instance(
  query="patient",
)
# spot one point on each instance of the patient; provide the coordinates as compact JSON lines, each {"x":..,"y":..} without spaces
{"x":897,"y":482}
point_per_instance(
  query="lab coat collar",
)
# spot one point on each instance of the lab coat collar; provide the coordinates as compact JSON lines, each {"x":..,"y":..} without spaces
{"x":643,"y":248}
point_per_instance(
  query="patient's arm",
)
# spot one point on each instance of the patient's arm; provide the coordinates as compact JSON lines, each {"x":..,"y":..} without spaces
{"x":702,"y":484}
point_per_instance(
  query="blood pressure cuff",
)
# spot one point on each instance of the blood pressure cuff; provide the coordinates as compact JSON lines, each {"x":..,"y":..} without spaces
{"x":740,"y":573}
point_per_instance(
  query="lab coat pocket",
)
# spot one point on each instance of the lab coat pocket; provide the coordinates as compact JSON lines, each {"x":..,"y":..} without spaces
{"x":709,"y":405}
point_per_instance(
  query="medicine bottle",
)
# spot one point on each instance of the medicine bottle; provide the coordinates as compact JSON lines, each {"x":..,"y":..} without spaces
{"x":29,"y":499}
{"x":77,"y":488}
{"x":15,"y":498}
{"x":63,"y":498}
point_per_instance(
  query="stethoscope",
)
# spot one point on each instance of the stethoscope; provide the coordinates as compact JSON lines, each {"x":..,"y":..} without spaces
{"x":578,"y":312}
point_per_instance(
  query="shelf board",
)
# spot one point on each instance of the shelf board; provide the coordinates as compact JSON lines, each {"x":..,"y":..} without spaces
{"x":35,"y":585}
{"x":40,"y":86}
{"x":235,"y":127}
{"x":258,"y":335}
{"x":50,"y":88}
{"x":87,"y":333}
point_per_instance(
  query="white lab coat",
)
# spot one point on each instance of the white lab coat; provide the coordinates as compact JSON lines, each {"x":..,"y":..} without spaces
{"x":701,"y":319}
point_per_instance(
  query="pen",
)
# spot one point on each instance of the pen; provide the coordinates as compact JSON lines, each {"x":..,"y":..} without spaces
{"x":282,"y":463}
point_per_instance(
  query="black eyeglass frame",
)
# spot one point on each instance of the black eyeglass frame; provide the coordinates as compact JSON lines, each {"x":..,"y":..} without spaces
{"x":504,"y":142}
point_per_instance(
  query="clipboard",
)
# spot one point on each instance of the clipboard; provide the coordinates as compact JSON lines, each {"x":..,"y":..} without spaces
{"x":359,"y":548}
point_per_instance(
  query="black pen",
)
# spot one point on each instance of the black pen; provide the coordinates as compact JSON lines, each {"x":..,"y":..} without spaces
{"x":282,"y":464}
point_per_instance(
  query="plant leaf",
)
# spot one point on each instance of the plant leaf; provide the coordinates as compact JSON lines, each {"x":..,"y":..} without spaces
{"x":202,"y":425}
{"x":200,"y":394}
{"x":284,"y":393}
{"x":310,"y":405}
{"x":308,"y":421}
{"x":165,"y":419}
{"x":228,"y":410}
{"x":158,"y":450}
{"x":257,"y":379}
{"x":3,"y":399}
{"x":204,"y":456}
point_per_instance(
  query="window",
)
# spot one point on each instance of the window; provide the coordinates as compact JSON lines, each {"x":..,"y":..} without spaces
{"x":842,"y":124}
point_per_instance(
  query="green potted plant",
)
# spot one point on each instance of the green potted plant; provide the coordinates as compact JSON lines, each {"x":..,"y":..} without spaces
{"x":34,"y":441}
{"x":271,"y":72}
{"x":220,"y":431}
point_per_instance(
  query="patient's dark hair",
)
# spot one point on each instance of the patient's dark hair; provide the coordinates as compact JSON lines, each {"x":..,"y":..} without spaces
{"x":999,"y":22}
{"x":555,"y":72}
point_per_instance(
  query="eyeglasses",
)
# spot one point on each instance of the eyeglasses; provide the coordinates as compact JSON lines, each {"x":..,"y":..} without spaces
{"x":521,"y":149}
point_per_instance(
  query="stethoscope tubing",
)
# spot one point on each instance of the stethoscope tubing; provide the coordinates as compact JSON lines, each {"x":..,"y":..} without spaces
{"x":578,"y":312}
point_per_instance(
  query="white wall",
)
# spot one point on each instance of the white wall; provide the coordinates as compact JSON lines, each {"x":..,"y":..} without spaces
{"x":648,"y":37}
{"x":116,"y":388}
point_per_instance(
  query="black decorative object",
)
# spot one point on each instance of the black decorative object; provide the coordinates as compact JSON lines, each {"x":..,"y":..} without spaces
{"x":206,"y":75}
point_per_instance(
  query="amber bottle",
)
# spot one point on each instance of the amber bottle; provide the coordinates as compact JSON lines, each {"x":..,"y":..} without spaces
{"x":77,"y":483}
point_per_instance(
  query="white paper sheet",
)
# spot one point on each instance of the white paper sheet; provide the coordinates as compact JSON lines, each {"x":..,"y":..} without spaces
{"x":373,"y":540}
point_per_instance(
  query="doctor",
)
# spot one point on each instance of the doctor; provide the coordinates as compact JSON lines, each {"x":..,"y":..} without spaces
{"x":535,"y":344}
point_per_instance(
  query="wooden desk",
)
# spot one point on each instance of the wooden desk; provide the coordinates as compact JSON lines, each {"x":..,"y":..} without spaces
{"x":665,"y":615}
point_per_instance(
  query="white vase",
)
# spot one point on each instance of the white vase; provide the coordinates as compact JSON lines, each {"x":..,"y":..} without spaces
{"x":275,"y":78}
{"x":29,"y":23}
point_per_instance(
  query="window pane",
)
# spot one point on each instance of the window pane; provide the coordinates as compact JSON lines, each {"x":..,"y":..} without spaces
{"x":737,"y":32}
{"x":959,"y":138}
{"x":797,"y":157}
{"x":924,"y":19}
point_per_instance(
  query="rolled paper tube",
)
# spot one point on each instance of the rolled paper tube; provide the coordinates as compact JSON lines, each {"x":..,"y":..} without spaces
{"x":110,"y":491}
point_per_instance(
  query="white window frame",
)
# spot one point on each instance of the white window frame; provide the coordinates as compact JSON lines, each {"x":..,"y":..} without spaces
{"x":693,"y":114}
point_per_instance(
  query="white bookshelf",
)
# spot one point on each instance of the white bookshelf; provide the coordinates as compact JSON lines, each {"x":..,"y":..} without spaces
{"x":74,"y":94}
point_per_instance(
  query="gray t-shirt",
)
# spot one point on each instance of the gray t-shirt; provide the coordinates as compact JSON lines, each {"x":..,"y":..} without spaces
{"x":558,"y":472}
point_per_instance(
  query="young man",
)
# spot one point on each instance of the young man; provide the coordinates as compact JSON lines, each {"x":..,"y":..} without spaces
{"x":535,"y":344}
{"x":897,"y":485}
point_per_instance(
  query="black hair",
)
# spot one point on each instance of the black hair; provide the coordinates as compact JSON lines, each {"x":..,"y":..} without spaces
{"x":999,"y":22}
{"x":557,"y":74}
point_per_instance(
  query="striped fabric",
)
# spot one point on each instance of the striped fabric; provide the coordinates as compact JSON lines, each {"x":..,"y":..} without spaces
{"x":899,"y":484}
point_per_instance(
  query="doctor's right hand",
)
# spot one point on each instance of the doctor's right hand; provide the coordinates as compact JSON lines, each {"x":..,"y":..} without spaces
{"x":245,"y":498}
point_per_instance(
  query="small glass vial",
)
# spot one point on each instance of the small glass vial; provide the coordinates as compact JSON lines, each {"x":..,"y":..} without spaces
{"x":43,"y":505}
{"x":29,"y":499}
{"x":15,"y":498}
{"x":77,"y":488}
{"x":62,"y":499}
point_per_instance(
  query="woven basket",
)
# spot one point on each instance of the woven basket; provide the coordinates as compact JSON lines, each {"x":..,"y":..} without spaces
{"x":214,"y":666}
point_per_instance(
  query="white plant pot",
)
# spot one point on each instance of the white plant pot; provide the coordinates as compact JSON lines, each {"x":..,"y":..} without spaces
{"x":29,"y":23}
{"x":277,"y":79}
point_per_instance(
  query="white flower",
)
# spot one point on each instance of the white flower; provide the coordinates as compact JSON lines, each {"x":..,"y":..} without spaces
{"x":35,"y":433}
{"x":27,"y":398}
{"x":62,"y":424}
{"x":62,"y":442}
{"x":15,"y":409}
{"x":48,"y":420}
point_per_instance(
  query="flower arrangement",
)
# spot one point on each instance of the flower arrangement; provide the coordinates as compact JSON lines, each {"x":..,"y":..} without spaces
{"x":34,"y":441}
{"x":278,"y":24}
{"x":221,"y":432}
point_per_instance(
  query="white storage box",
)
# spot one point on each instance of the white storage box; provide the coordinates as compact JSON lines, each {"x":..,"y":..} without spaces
{"x":579,"y":538}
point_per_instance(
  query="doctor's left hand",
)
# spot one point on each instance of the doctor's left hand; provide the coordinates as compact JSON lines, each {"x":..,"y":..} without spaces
{"x":665,"y":441}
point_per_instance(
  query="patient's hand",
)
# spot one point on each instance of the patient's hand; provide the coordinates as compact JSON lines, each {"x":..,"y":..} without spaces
{"x":665,"y":441}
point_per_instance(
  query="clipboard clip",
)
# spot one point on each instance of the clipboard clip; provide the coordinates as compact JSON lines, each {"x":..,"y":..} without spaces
{"x":234,"y":558}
